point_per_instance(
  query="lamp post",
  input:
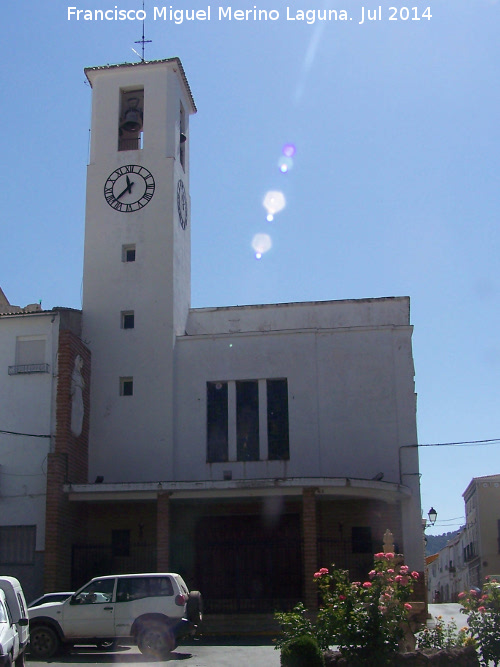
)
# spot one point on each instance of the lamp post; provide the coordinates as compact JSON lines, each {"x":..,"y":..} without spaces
{"x":432,"y":514}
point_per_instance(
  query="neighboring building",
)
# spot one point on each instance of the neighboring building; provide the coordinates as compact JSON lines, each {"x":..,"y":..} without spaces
{"x":447,"y":572}
{"x":475,"y":552}
{"x":482,"y":515}
{"x":243,"y":446}
{"x":30,"y":341}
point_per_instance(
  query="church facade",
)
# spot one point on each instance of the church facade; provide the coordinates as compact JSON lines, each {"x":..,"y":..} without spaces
{"x":243,"y":447}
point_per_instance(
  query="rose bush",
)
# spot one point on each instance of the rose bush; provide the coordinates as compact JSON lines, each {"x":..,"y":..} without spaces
{"x":365,"y":620}
{"x":483,"y":618}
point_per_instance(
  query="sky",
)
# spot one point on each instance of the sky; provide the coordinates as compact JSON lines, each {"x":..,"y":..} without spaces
{"x":392,"y":188}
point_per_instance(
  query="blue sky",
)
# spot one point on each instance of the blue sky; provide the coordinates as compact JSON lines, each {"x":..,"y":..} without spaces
{"x":394,"y":189}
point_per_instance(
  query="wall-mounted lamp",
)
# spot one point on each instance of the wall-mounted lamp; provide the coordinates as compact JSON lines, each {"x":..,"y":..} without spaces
{"x":432,"y":514}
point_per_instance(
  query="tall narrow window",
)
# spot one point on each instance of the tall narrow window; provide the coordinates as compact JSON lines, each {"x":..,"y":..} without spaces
{"x":182,"y":138}
{"x":130,"y":121}
{"x":277,"y":419}
{"x":217,"y":422}
{"x":247,"y":420}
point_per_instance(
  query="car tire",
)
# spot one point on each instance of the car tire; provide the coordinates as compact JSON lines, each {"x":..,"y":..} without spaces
{"x":44,"y":642}
{"x":194,"y":608}
{"x":156,"y":640}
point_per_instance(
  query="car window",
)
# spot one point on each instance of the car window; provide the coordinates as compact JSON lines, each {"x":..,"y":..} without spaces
{"x":97,"y":592}
{"x":135,"y":588}
{"x":21,"y":606}
{"x":3,"y":613}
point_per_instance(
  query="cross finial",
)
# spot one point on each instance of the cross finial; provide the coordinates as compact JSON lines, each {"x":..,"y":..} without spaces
{"x":142,"y":40}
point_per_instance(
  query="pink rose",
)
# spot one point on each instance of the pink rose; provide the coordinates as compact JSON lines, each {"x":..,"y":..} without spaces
{"x":390,"y":571}
{"x":408,"y":606}
{"x":380,"y":555}
{"x":481,"y":609}
{"x":398,"y":578}
{"x":473,"y":592}
{"x":389,"y":556}
{"x":317,"y":575}
{"x":415,"y":575}
{"x":367,"y":584}
{"x":461,"y":595}
{"x":372,"y":574}
{"x":404,"y":569}
{"x":323,"y":570}
{"x":342,"y":597}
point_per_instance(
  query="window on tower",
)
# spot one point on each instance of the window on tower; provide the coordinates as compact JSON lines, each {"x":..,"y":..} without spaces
{"x":126,"y":386}
{"x":128,"y":253}
{"x":182,"y":138}
{"x":127,"y":317}
{"x":131,"y":119}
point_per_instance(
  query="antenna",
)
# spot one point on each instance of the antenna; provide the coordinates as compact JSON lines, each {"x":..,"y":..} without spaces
{"x":142,"y":41}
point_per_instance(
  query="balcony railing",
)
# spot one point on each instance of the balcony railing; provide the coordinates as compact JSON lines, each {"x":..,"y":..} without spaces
{"x":28,"y":368}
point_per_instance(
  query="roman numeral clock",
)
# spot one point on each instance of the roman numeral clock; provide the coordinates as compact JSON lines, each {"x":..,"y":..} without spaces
{"x":129,"y":188}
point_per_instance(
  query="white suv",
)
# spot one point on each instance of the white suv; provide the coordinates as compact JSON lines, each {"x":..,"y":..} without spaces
{"x":154,"y":610}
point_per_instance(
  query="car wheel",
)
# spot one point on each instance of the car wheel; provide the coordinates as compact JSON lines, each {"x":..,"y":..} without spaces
{"x":44,"y":642}
{"x":19,"y":662}
{"x":194,"y":608}
{"x":156,"y":640}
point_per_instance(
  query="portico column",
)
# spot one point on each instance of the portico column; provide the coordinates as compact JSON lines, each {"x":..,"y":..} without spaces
{"x":309,"y":532}
{"x":163,"y":532}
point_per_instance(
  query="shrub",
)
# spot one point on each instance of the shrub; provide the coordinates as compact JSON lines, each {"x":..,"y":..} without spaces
{"x":302,"y":651}
{"x":484,"y":620}
{"x":442,"y":636}
{"x":366,"y":620}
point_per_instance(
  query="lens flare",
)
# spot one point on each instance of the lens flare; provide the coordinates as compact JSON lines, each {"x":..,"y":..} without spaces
{"x":273,"y":202}
{"x":289,"y":150}
{"x":261,"y":243}
{"x":285,"y":164}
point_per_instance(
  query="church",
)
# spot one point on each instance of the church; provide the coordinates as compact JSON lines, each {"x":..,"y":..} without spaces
{"x":243,"y":446}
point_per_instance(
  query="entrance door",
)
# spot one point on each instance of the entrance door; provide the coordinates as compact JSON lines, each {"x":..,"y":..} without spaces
{"x":247,"y":566}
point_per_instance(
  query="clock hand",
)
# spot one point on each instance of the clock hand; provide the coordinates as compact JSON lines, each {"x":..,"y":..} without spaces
{"x":127,"y":189}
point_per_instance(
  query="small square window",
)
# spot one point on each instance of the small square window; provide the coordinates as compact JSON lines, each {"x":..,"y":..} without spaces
{"x":128,"y":253}
{"x":127,"y":319}
{"x":126,"y":386}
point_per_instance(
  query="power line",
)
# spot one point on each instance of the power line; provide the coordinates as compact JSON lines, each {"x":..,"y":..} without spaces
{"x":29,"y":435}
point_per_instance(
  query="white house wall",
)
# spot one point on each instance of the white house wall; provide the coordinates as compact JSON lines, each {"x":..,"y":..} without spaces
{"x":26,"y":407}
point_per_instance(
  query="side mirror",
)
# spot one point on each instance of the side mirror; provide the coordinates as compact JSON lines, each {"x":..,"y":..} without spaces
{"x":23,"y":621}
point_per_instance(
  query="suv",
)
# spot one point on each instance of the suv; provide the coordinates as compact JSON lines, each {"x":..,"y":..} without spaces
{"x":154,"y":610}
{"x":13,"y":628}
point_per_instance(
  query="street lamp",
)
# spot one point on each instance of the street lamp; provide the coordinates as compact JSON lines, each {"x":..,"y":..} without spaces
{"x":432,"y":514}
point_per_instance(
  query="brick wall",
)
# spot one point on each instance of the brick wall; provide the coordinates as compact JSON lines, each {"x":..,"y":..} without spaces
{"x":68,"y":462}
{"x":309,"y":534}
{"x":163,"y":532}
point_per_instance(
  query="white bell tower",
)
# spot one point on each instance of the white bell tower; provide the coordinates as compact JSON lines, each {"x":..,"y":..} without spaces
{"x":136,"y":280}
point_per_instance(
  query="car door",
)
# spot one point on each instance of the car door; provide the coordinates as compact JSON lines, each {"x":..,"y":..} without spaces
{"x":90,"y":611}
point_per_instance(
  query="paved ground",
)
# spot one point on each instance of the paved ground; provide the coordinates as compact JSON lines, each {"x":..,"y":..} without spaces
{"x":228,"y":652}
{"x":223,"y":653}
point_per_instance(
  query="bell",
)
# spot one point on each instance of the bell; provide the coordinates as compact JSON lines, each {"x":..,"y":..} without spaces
{"x":132,"y":118}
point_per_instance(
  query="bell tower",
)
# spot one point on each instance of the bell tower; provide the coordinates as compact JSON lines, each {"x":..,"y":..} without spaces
{"x":136,"y":281}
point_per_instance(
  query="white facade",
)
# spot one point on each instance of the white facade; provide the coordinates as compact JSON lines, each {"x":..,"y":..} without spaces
{"x":345,"y":367}
{"x":28,"y":359}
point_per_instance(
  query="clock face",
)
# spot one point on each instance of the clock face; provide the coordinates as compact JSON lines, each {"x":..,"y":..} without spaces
{"x":129,"y":188}
{"x":182,"y":205}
